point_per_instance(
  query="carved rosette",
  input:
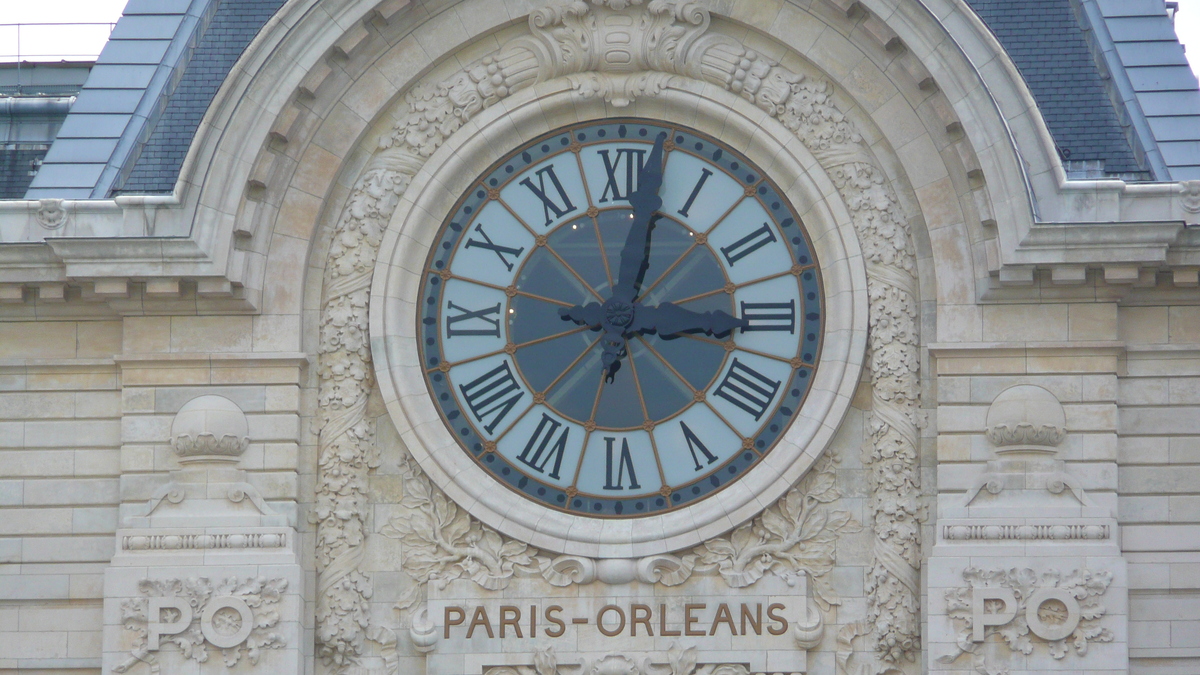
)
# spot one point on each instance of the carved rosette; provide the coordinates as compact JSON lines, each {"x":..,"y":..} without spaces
{"x":662,"y":40}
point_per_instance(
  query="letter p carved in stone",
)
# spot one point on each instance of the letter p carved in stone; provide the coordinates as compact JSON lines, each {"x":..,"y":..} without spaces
{"x":980,"y":620}
{"x":156,"y":627}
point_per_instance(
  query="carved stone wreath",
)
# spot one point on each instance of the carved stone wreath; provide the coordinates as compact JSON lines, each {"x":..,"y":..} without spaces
{"x":1083,"y":588}
{"x":258,"y":595}
{"x":670,"y":44}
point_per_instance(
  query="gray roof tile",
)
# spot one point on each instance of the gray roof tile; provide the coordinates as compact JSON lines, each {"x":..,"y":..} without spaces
{"x":70,"y":175}
{"x":1162,"y":78}
{"x":1126,"y":29}
{"x":1046,"y":42}
{"x":1151,"y":54}
{"x":1112,"y":8}
{"x":156,"y":27}
{"x":93,"y":126}
{"x":105,"y":76}
{"x":85,"y":150}
{"x":136,"y":51}
{"x":156,"y":7}
{"x":234,"y":25}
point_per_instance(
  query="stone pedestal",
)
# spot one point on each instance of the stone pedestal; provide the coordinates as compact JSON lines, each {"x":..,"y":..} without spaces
{"x":206,"y":577}
{"x":1026,"y":575}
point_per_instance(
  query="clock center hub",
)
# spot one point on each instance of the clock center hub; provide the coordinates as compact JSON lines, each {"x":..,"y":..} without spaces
{"x":618,"y":313}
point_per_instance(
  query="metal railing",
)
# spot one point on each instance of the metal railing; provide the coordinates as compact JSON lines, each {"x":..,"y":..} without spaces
{"x":63,"y":33}
{"x":21,"y":43}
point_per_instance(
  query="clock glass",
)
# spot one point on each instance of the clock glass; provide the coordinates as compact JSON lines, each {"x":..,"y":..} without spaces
{"x":620,"y":318}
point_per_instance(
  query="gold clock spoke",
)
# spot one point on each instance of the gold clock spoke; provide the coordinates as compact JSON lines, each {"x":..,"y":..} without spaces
{"x":514,"y":424}
{"x":717,"y":223}
{"x":542,"y":241}
{"x":667,"y":363}
{"x":646,"y":291}
{"x":721,"y":343}
{"x":698,"y":296}
{"x":696,"y":393}
{"x":575,"y":274}
{"x":515,"y":291}
{"x":599,"y":392}
{"x":648,"y":425}
{"x":603,"y":250}
{"x":572,"y":365}
{"x":575,"y":149}
{"x":540,"y":340}
{"x":745,"y":445}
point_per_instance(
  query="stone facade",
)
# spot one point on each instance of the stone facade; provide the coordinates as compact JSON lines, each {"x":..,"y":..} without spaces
{"x":214,"y":456}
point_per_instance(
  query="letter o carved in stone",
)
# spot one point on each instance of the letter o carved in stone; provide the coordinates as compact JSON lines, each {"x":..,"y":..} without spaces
{"x":1056,"y":631}
{"x":222,"y":639}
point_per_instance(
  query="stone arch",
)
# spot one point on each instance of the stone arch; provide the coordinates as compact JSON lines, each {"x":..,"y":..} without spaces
{"x":255,"y":141}
{"x":335,"y":50}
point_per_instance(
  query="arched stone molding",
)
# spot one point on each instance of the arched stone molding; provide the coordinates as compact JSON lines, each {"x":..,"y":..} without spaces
{"x":347,"y":451}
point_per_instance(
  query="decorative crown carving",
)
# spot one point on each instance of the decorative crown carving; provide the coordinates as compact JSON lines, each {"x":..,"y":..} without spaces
{"x":1026,"y":417}
{"x":209,"y":427}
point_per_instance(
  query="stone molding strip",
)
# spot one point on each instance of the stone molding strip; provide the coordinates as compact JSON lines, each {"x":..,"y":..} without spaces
{"x":1025,"y":532}
{"x":144,"y":541}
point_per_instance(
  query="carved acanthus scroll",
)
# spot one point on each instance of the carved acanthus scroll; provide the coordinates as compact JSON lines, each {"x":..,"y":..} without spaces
{"x":661,"y":41}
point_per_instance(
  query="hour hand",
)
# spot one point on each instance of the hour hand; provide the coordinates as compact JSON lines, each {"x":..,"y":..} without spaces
{"x":669,"y":319}
{"x":591,"y":315}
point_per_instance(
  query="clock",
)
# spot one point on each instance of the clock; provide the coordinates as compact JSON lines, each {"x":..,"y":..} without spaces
{"x":619,"y":319}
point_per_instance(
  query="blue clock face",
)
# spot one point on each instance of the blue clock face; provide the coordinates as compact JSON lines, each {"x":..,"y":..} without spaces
{"x":620,"y":318}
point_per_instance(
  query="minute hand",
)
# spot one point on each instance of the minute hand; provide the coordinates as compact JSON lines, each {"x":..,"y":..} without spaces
{"x":670,"y":319}
{"x":645,"y":201}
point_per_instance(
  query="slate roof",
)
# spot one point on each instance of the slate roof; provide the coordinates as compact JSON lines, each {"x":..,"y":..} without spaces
{"x":1045,"y":41}
{"x":123,"y":96}
{"x":1108,"y":75}
{"x":1153,"y":80}
{"x":16,"y":164}
{"x":234,"y":25}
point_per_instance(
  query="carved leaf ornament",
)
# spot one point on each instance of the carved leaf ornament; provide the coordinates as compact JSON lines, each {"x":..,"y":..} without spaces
{"x":670,"y":40}
{"x":188,"y":619}
{"x":1077,"y":624}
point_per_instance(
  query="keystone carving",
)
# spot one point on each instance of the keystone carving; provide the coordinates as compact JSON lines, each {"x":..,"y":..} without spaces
{"x":666,"y":41}
{"x":51,"y":214}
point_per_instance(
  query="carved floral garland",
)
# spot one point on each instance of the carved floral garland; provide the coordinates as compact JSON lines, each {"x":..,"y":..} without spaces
{"x":671,"y":39}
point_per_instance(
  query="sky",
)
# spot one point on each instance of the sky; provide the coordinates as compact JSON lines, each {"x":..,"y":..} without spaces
{"x":41,"y":43}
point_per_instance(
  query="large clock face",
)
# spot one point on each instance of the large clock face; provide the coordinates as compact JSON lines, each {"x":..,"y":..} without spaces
{"x":620,"y":318}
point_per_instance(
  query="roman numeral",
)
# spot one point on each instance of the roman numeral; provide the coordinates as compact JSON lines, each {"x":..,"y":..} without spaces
{"x":748,"y":244}
{"x":535,"y":455}
{"x":747,"y":389}
{"x":687,"y":206}
{"x":480,"y":316}
{"x":625,"y":461}
{"x":694,"y":443}
{"x":501,"y":252}
{"x":492,"y":394}
{"x":632,"y":168}
{"x":775,"y":316}
{"x":560,"y":207}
